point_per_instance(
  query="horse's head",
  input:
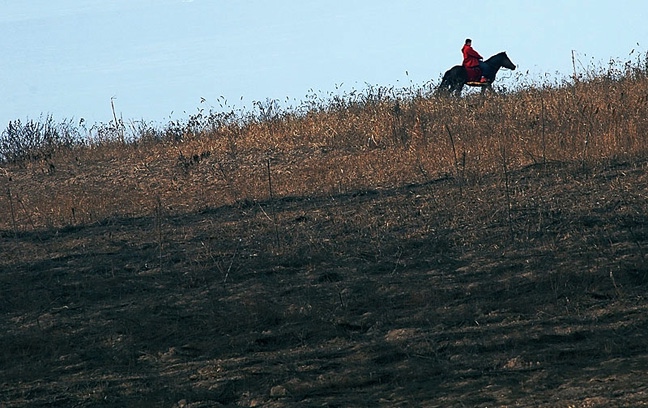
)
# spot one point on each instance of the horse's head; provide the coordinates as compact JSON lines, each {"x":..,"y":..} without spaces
{"x":506,"y":62}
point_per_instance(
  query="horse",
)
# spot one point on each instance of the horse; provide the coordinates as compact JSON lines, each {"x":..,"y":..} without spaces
{"x":456,"y":77}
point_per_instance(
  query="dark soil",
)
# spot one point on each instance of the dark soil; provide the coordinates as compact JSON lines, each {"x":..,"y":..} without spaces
{"x":521,"y":290}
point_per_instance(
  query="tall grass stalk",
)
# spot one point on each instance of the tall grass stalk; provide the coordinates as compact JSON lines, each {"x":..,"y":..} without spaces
{"x":459,"y":174}
{"x":272,"y":210}
{"x":507,"y":189}
{"x":158,"y":229}
{"x":14,"y":225}
{"x":118,"y":126}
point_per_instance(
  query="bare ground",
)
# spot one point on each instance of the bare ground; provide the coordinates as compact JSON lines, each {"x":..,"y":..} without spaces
{"x":519,"y":290}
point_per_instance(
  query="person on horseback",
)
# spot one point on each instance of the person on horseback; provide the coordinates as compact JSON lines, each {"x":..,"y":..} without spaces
{"x":472,"y":60}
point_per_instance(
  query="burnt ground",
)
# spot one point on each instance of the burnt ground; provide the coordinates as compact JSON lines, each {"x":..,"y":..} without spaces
{"x":519,"y":290}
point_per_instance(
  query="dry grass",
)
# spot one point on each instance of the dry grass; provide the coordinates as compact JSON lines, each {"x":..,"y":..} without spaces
{"x":378,"y":141}
{"x":377,"y":251}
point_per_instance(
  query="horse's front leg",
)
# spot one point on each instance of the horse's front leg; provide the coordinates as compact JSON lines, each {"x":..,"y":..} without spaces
{"x":489,"y":87}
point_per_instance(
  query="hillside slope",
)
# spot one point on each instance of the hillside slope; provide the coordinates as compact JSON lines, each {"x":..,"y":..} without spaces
{"x":525,"y":288}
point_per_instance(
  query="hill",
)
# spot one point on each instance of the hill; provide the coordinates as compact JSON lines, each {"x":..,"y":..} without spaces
{"x":375,"y":251}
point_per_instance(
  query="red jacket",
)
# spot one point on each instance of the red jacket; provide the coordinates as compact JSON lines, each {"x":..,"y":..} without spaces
{"x":471,"y":57}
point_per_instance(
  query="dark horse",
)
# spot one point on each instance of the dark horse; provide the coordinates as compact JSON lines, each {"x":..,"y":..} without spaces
{"x":456,"y":77}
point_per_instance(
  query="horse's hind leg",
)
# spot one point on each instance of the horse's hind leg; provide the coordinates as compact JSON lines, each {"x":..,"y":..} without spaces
{"x":445,"y":87}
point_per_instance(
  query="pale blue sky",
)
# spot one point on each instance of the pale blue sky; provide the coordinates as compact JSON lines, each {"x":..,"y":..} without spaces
{"x":158,"y":58}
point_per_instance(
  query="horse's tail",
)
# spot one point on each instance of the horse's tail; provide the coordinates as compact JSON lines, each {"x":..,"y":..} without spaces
{"x":445,"y":86}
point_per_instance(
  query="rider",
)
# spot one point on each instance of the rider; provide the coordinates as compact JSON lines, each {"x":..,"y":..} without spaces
{"x":472,"y":59}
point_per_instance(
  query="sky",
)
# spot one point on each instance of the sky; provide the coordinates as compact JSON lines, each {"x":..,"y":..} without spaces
{"x":163,"y":60}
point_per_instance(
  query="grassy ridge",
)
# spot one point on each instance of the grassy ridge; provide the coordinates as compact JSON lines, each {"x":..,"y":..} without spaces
{"x":377,"y":139}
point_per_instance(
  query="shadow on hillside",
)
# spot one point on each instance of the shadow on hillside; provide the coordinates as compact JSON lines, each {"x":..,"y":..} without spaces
{"x":426,"y":293}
